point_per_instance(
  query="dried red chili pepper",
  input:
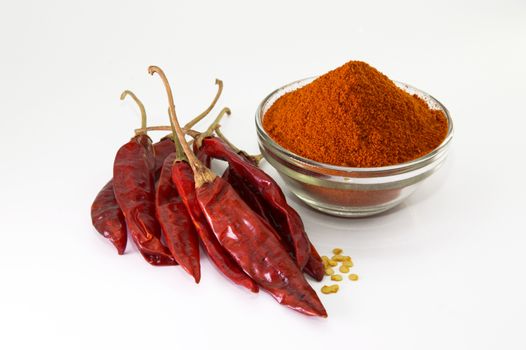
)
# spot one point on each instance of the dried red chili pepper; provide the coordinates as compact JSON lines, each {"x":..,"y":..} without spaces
{"x":183,"y":177}
{"x":249,"y":240}
{"x":108,"y":219}
{"x":290,"y":224}
{"x":176,"y":224}
{"x":106,"y":215}
{"x":134,"y":189}
{"x":314,"y":266}
{"x":245,"y":235}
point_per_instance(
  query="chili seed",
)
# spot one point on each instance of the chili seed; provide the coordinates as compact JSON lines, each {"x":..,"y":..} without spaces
{"x":326,"y":290}
{"x":329,"y":271}
{"x":347,"y":263}
{"x":353,"y":277}
{"x":330,"y":289}
{"x":333,"y":263}
{"x":338,"y":258}
{"x":337,"y":251}
{"x":344,"y":269}
{"x":336,"y":277}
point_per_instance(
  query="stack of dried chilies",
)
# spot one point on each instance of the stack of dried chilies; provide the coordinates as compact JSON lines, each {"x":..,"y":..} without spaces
{"x":169,"y":200}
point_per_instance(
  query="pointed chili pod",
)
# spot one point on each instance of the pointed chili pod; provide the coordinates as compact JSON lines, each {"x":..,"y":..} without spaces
{"x":183,"y":178}
{"x":177,"y":226}
{"x":107,"y":217}
{"x":291,"y":226}
{"x":134,"y":188}
{"x":255,"y":248}
{"x":314,"y":267}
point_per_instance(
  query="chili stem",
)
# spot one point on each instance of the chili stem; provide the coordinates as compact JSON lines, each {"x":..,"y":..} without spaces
{"x":202,"y":174}
{"x":141,"y":107}
{"x":180,"y":155}
{"x":197,"y":119}
{"x":155,"y":128}
{"x":257,"y":158}
{"x":225,"y":140}
{"x":213,"y":126}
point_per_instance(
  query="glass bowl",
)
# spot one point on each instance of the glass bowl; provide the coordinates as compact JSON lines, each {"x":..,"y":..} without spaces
{"x":348,"y":191}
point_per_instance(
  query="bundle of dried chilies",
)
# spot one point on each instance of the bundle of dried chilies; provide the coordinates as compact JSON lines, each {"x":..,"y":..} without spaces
{"x":169,"y":200}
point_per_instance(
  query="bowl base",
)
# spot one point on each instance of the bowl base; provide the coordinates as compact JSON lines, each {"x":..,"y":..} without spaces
{"x":348,"y":212}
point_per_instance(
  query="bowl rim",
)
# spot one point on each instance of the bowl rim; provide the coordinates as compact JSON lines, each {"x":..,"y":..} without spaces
{"x":338,"y":168}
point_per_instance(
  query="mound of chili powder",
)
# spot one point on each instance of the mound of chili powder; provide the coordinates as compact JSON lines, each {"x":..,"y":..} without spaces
{"x":355,"y":116}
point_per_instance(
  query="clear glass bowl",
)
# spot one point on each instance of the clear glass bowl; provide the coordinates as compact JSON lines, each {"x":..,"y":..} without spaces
{"x":347,"y":191}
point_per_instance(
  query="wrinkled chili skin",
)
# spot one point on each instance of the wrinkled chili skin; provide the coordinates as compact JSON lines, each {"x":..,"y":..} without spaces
{"x":108,"y":219}
{"x":107,"y":216}
{"x":291,"y":226}
{"x":255,"y":248}
{"x":183,"y":178}
{"x":202,"y":156}
{"x":162,"y":149}
{"x":134,"y":188}
{"x":176,"y":224}
{"x":314,"y":267}
{"x":251,"y":198}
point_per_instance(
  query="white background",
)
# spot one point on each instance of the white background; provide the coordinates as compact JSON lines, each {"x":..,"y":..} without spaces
{"x":446,"y":270}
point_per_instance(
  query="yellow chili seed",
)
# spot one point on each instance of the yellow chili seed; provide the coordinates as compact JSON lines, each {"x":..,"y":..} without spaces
{"x":347,"y":258}
{"x":336,"y":277}
{"x":337,"y":251}
{"x":326,"y":290}
{"x":335,"y":288}
{"x":353,"y":277}
{"x":347,"y":263}
{"x":344,"y":269}
{"x":325,"y":258}
{"x":329,"y":271}
{"x":337,"y":258}
{"x":333,"y":263}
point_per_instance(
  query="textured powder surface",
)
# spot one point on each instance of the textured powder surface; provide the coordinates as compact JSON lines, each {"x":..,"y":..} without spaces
{"x":355,"y":116}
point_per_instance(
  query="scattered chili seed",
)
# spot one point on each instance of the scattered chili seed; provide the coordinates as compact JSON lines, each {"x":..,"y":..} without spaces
{"x":330,"y":289}
{"x":332,"y":263}
{"x":336,"y":277}
{"x":347,"y":263}
{"x":353,"y":277}
{"x":337,"y":251}
{"x":344,"y":269}
{"x":329,"y":271}
{"x":347,"y":258}
{"x":338,"y":258}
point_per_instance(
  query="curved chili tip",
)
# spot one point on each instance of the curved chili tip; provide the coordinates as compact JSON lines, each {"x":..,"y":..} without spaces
{"x":108,"y":219}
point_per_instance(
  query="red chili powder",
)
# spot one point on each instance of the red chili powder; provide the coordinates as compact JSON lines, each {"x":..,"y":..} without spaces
{"x":355,"y":116}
